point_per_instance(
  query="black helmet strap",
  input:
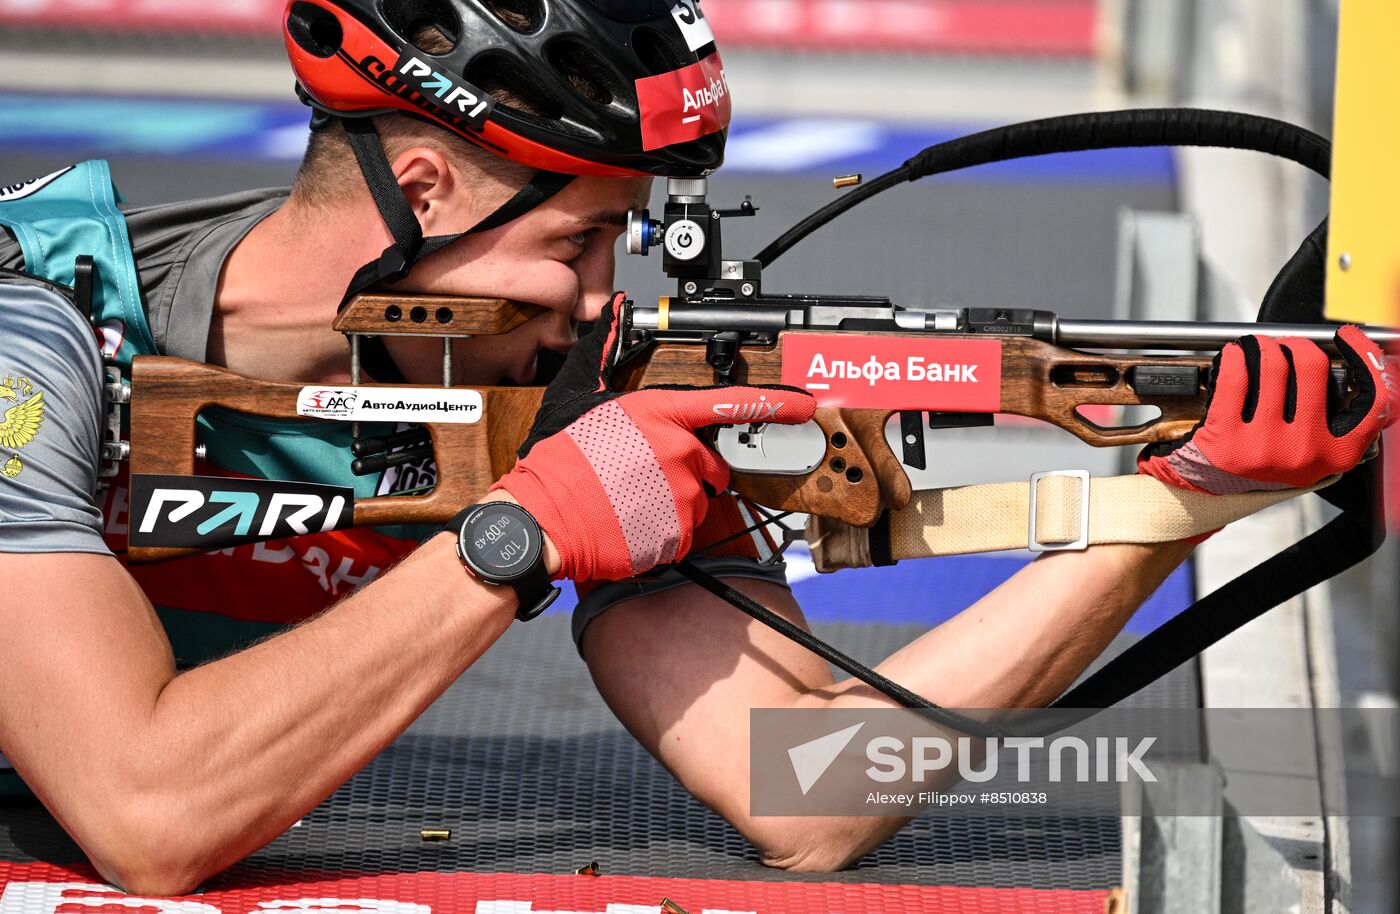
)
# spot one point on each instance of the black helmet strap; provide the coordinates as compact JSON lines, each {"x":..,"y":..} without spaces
{"x":409,"y":246}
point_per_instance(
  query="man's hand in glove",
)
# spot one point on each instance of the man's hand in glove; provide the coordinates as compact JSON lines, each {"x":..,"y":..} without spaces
{"x":1269,"y":425}
{"x":619,"y":482}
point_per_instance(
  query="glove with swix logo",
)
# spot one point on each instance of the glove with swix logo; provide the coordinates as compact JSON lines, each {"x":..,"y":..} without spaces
{"x":1270,"y":424}
{"x":619,"y":482}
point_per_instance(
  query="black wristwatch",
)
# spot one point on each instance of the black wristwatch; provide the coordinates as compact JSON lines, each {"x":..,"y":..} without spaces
{"x":502,"y":544}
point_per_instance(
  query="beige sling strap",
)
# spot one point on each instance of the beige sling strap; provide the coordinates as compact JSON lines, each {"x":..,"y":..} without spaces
{"x":1055,"y":511}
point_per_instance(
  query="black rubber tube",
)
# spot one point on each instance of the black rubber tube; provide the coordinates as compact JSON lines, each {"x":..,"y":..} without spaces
{"x":1082,"y":133}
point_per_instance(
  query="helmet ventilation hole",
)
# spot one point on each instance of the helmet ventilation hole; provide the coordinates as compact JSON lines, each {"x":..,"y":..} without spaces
{"x":315,"y":29}
{"x":523,"y":16}
{"x":581,"y":68}
{"x":513,"y":88}
{"x":431,"y":26}
{"x":655,"y":52}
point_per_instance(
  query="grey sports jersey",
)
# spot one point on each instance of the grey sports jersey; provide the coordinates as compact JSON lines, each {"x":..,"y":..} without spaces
{"x":180,"y":251}
{"x":50,"y":423}
{"x":50,"y":412}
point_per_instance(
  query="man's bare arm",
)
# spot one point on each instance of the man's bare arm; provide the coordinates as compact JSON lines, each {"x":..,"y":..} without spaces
{"x":708,"y":665}
{"x":166,"y":779}
{"x":1026,"y":642}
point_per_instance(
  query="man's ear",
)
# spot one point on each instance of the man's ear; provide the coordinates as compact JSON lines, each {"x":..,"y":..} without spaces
{"x":430,"y":183}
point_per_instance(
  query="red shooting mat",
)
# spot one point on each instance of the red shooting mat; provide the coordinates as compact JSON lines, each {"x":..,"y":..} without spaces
{"x":44,"y":889}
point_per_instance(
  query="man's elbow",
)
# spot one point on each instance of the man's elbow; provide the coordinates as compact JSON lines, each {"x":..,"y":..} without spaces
{"x":148,"y":849}
{"x":147,"y":878}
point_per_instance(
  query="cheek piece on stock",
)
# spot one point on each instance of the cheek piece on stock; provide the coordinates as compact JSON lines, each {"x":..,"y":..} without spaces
{"x":409,"y":246}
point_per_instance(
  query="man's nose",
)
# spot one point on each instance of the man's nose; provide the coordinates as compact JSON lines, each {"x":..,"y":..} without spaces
{"x":596,"y":280}
{"x":589,"y":307}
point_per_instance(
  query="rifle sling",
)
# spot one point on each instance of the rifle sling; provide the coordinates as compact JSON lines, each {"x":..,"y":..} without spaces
{"x":1297,"y":295}
{"x":810,"y":642}
{"x":998,"y":517}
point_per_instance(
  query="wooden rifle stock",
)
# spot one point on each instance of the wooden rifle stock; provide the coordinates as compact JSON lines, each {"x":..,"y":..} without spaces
{"x":168,"y":395}
{"x":859,"y":477}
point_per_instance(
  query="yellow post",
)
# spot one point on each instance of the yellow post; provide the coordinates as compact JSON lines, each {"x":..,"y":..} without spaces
{"x":1363,"y":277}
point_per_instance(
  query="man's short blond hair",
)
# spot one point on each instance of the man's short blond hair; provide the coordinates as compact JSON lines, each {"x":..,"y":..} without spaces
{"x":329,"y":173}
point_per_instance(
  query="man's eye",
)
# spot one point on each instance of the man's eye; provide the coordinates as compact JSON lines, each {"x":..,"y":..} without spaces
{"x":579,"y":239}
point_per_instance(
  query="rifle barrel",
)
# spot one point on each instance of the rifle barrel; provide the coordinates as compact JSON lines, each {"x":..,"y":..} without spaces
{"x":1192,"y":336}
{"x":774,"y":316}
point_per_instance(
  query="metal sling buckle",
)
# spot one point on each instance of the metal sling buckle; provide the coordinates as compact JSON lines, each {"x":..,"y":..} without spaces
{"x":1079,"y":545}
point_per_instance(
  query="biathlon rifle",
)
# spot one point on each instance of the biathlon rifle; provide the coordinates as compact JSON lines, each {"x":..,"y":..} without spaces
{"x":865,"y":359}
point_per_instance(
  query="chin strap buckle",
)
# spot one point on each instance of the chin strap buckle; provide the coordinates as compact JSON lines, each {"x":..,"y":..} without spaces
{"x":394,"y":264}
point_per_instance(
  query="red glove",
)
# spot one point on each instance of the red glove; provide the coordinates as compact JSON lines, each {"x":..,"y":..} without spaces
{"x":619,"y":482}
{"x":1269,"y":426}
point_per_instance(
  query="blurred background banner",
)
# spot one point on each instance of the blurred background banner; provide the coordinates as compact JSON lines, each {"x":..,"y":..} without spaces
{"x":254,"y":17}
{"x":1041,"y":27}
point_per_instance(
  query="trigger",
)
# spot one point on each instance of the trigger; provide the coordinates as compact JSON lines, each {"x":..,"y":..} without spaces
{"x":753,"y":438}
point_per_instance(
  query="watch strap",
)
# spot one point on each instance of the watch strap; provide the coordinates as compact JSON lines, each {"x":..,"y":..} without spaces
{"x":534,"y":593}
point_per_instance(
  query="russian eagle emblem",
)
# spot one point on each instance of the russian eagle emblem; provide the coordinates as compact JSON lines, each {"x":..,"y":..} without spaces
{"x":20,"y":422}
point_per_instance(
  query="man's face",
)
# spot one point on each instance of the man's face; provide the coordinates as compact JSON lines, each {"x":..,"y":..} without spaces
{"x":561,"y":256}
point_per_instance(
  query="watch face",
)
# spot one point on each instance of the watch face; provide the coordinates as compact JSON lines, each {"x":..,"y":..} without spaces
{"x":500,"y":542}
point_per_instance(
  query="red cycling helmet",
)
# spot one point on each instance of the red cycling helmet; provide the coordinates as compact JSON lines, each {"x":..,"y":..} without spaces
{"x":614,"y":87}
{"x":589,"y":87}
